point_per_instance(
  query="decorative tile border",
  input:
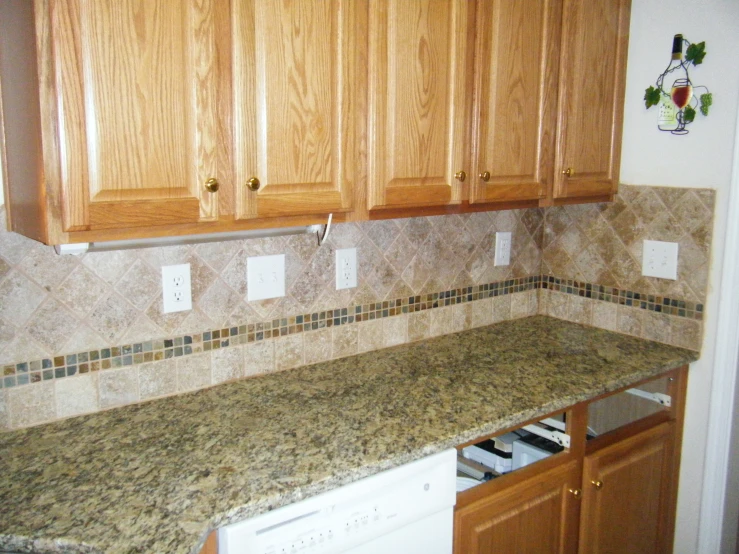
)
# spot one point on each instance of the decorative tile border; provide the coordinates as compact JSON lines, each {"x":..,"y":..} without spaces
{"x":651,"y":302}
{"x":151,"y":351}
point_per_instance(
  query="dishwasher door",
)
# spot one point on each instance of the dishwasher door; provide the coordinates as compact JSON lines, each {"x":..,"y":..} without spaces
{"x":404,"y":510}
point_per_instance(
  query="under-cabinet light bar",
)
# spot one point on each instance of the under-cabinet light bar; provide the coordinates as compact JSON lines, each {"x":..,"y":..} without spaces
{"x":82,"y":247}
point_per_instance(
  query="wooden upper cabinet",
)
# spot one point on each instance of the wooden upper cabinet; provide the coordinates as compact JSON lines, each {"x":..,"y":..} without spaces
{"x":418,"y":111}
{"x":627,"y":495}
{"x":514,"y":114}
{"x":295,"y":80}
{"x":592,"y":78}
{"x":135,"y":89}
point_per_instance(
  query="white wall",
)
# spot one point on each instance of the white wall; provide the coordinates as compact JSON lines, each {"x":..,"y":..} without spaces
{"x":701,"y":159}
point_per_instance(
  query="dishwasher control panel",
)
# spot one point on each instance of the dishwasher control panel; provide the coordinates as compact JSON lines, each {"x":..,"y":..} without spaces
{"x":343,"y":518}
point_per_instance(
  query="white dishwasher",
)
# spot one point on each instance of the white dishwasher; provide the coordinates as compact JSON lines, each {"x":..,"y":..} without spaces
{"x":408,"y":509}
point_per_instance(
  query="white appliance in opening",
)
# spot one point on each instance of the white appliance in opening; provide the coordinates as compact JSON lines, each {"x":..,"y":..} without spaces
{"x":405,"y":510}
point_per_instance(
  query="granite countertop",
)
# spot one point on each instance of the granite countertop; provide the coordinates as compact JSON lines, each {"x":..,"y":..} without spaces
{"x":157,"y":477}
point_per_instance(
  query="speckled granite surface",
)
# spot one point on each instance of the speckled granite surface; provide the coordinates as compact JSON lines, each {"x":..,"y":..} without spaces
{"x":157,"y":477}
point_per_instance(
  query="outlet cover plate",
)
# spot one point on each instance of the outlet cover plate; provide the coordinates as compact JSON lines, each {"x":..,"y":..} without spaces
{"x":659,"y":259}
{"x":503,"y":248}
{"x":176,"y":288}
{"x":265,"y":277}
{"x":346,"y":268}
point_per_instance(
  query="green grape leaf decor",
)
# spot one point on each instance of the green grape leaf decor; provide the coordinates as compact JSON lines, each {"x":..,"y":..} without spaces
{"x":696,"y":53}
{"x":651,"y":97}
{"x":678,"y":98}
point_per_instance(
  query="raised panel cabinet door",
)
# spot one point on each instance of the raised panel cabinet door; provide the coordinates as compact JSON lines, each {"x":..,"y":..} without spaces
{"x":538,"y":515}
{"x":294,"y":91}
{"x":592,"y":78}
{"x":515,"y":106}
{"x":626,"y":495}
{"x":418,"y":72}
{"x":136,"y":86}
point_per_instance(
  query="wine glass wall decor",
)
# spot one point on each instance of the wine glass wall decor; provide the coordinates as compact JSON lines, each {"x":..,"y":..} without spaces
{"x":675,"y":94}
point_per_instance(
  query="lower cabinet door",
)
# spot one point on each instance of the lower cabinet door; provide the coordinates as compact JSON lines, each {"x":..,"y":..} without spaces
{"x":534,"y":516}
{"x":627,"y":495}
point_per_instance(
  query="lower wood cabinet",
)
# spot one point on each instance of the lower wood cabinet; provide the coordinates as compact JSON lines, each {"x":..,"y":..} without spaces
{"x":626,"y":495}
{"x":615,"y":494}
{"x":538,"y":514}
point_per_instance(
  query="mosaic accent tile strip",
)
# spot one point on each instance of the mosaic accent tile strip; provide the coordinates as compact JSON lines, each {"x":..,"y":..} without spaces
{"x":651,"y":302}
{"x":150,"y":351}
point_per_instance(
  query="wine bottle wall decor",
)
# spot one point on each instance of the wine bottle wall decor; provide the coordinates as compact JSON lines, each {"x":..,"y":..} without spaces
{"x":675,"y":94}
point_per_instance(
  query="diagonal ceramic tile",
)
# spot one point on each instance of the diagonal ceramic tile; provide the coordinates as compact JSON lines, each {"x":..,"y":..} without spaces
{"x":217,"y":301}
{"x":159,"y":256}
{"x":140,"y":284}
{"x":194,"y":322}
{"x":110,"y":266}
{"x":21,"y":297}
{"x":400,"y":253}
{"x":690,"y":212}
{"x":382,"y":233}
{"x":81,"y":291}
{"x":46,"y":267}
{"x":22,"y":348}
{"x":345,"y":235}
{"x":142,"y":330}
{"x":85,"y":338}
{"x":416,"y":274}
{"x":417,"y":230}
{"x":52,"y":325}
{"x":112,"y":317}
{"x":217,"y":254}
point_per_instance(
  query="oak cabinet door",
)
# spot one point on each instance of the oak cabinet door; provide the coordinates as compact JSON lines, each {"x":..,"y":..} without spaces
{"x":136,"y":87}
{"x":418,"y":68}
{"x":294,"y":86}
{"x":626,"y":495}
{"x":592,"y":78}
{"x":533,"y":516}
{"x":514,"y":115}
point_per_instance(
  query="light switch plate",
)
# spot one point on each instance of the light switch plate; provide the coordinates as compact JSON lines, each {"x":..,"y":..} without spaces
{"x":503,"y":248}
{"x":346,"y":268}
{"x":176,"y":288}
{"x":659,"y":259}
{"x":265,"y":277}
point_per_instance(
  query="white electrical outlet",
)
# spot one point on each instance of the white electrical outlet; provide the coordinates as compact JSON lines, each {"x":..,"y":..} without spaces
{"x":265,"y":277}
{"x":503,"y":248}
{"x":176,"y":288}
{"x":659,"y":259}
{"x":346,"y":268}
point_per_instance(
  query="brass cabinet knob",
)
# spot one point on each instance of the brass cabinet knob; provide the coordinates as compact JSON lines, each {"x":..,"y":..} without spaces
{"x":569,"y":172}
{"x":253,"y":183}
{"x":460,"y":176}
{"x":597,"y":484}
{"x":485,"y":176}
{"x":576,"y":492}
{"x":211,"y":185}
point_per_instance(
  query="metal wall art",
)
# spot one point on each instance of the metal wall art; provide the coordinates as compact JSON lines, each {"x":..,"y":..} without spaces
{"x":675,"y":93}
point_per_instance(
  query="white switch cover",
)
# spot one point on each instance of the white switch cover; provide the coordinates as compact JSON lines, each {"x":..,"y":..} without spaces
{"x":503,"y":248}
{"x":659,"y":259}
{"x":265,"y":277}
{"x":346,"y":268}
{"x":176,"y":288}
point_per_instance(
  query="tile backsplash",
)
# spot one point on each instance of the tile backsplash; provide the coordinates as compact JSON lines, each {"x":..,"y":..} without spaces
{"x":601,"y":244}
{"x":80,"y":334}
